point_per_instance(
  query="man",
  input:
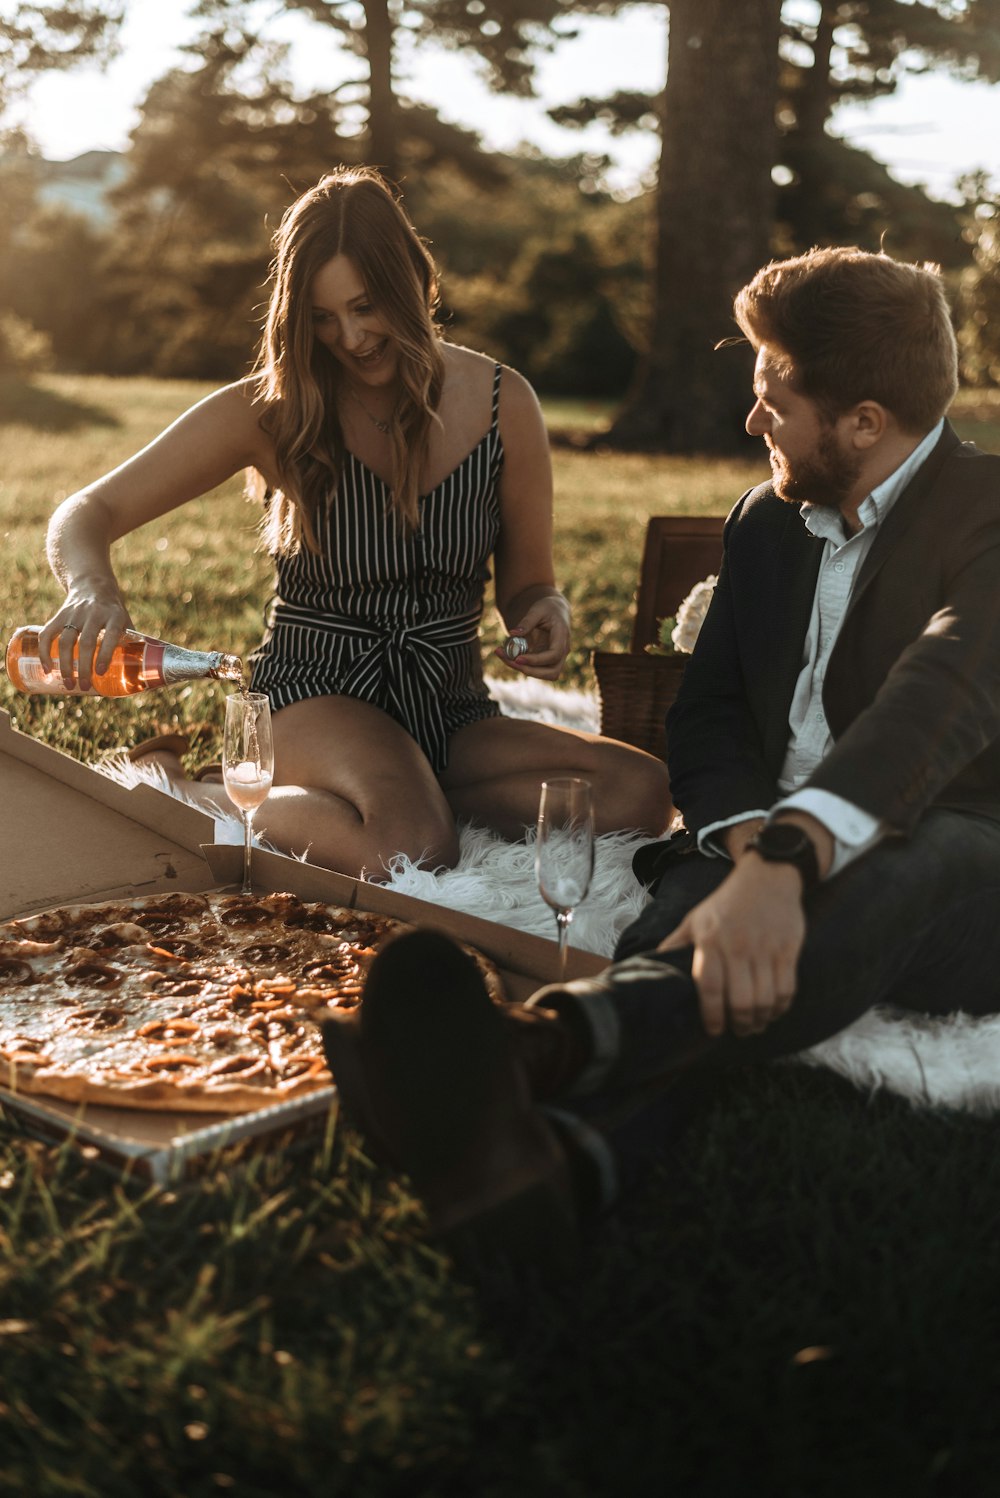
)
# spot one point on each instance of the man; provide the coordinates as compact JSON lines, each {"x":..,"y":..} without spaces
{"x":835,"y":753}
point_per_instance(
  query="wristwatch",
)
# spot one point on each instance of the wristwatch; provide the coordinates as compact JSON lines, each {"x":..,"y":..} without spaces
{"x":784,"y":842}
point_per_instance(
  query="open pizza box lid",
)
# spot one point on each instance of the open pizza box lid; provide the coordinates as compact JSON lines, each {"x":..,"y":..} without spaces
{"x":72,"y":835}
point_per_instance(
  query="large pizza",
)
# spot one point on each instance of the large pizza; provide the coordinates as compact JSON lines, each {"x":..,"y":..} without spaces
{"x":188,"y":1002}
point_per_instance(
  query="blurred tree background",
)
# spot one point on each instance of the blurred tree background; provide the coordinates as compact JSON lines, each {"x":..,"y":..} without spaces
{"x":588,"y":292}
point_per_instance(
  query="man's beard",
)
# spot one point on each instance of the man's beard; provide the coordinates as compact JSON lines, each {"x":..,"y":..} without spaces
{"x":826,"y":477}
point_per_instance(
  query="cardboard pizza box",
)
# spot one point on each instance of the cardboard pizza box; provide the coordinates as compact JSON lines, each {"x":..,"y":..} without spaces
{"x":70,"y":834}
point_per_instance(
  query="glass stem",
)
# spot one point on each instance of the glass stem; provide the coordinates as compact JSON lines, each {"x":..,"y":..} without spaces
{"x":563,"y":918}
{"x":247,"y":843}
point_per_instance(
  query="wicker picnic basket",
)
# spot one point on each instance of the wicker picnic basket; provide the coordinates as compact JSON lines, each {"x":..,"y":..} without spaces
{"x":636,"y":689}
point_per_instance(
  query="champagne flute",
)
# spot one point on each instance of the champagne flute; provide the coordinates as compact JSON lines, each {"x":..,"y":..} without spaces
{"x":247,"y":762}
{"x":564,"y":852}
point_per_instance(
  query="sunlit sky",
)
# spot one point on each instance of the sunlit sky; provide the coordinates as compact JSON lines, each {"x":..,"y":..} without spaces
{"x":931,"y":130}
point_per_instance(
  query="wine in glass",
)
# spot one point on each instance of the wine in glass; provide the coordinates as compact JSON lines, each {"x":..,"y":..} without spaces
{"x":247,"y":762}
{"x":564,"y":851}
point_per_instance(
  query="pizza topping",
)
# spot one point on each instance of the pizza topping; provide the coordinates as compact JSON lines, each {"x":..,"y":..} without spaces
{"x":108,"y":1018}
{"x":161,"y":923}
{"x":168,"y":987}
{"x":310,"y":997}
{"x":94,"y":974}
{"x":273,"y":1021}
{"x":238,"y":912}
{"x":278,"y":984}
{"x":169,"y":1063}
{"x":125,"y":933}
{"x":174,"y":949}
{"x":322,"y":972}
{"x":266,"y":951}
{"x":15,"y":971}
{"x":316,"y":919}
{"x":221,"y":1035}
{"x":243,"y":1066}
{"x":304,"y":1066}
{"x":169,"y":1029}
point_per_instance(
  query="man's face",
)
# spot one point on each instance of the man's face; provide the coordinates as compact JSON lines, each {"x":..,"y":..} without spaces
{"x":810,"y":458}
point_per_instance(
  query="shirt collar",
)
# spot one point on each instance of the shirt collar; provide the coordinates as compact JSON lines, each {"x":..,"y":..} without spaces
{"x":822,"y":521}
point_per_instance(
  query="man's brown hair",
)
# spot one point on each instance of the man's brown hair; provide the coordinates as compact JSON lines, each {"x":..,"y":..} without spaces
{"x":857,"y":326}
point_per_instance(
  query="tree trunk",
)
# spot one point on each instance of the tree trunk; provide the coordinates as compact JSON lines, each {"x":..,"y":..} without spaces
{"x":714,"y":217}
{"x":382,"y":150}
{"x":808,"y":147}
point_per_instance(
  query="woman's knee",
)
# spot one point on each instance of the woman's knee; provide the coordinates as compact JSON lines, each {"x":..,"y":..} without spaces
{"x":635,"y":788}
{"x":424,"y":835}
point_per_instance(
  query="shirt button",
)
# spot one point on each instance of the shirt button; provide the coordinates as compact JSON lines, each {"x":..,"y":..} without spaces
{"x":838,"y":566}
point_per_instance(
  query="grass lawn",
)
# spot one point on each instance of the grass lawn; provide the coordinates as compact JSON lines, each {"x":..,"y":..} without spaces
{"x":801,"y":1302}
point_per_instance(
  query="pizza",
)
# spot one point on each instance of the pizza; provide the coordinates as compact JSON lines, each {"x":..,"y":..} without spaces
{"x":186,"y":1002}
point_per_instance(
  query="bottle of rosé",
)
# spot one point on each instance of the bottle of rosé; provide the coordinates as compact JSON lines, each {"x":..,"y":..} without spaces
{"x":139,"y":664}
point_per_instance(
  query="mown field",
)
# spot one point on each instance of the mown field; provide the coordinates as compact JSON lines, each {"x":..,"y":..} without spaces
{"x":802,"y":1302}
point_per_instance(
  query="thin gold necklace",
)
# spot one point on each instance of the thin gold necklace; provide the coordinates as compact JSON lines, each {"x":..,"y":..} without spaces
{"x":383,"y":426}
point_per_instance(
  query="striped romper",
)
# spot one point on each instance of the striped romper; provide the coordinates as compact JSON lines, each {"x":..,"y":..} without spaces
{"x":390,"y":618}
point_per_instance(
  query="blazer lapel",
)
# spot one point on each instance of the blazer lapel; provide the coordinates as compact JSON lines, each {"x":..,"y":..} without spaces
{"x":902,"y":515}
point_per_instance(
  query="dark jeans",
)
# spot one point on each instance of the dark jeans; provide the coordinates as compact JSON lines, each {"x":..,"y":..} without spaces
{"x":915,"y":924}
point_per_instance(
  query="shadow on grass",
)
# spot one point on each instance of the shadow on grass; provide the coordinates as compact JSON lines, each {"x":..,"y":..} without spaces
{"x":25,"y":404}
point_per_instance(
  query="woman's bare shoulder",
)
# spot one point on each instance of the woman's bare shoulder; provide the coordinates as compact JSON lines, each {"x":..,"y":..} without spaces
{"x":466,"y":365}
{"x":243,"y":398}
{"x":476,"y":372}
{"x":241,"y":408}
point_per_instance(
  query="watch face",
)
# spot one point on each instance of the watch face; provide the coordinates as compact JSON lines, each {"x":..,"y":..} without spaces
{"x":783,"y":842}
{"x":784,"y":837}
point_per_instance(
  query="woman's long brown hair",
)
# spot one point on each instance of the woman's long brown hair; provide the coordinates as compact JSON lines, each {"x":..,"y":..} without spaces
{"x":349,"y":212}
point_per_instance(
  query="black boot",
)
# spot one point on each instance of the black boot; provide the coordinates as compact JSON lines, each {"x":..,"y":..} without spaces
{"x":426,"y":1069}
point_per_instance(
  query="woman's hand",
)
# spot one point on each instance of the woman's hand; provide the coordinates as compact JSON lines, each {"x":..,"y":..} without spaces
{"x":545,"y":624}
{"x":210,"y":442}
{"x":94,"y":618}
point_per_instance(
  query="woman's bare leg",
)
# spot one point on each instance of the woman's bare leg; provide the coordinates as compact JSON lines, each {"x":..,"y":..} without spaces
{"x":496,"y":767}
{"x":351,"y":790}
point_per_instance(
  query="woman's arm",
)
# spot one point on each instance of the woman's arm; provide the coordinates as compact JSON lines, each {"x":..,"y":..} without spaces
{"x":526,"y":592}
{"x":213,"y":440}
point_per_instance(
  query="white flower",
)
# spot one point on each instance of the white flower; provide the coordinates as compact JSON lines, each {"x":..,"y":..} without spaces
{"x":691,"y":615}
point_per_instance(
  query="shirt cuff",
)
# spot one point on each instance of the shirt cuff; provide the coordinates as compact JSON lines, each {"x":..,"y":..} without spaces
{"x":715,"y":848}
{"x":854,"y":831}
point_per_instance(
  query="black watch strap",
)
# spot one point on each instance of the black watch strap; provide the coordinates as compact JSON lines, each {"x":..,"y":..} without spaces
{"x":784,"y":842}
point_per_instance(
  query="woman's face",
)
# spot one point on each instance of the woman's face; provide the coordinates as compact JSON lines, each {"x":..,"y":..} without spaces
{"x":345,"y":321}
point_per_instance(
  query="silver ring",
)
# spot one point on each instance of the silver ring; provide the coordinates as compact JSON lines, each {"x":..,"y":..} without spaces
{"x":76,"y":628}
{"x":514,"y":646}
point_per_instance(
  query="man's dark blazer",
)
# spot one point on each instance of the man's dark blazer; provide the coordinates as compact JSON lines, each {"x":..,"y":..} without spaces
{"x":912,"y":689}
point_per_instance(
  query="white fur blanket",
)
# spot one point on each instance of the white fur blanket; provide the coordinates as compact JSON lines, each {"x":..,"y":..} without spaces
{"x":950,"y":1063}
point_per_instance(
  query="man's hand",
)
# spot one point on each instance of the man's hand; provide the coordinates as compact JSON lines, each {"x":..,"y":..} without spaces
{"x":747,"y":937}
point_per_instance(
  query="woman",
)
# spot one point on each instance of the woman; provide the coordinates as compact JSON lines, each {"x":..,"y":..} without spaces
{"x":392,"y":465}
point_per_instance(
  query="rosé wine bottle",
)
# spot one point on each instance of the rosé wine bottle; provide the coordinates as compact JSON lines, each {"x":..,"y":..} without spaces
{"x":139,"y":663}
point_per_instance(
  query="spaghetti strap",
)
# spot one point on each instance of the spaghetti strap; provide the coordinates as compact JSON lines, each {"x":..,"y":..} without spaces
{"x":495,"y":413}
